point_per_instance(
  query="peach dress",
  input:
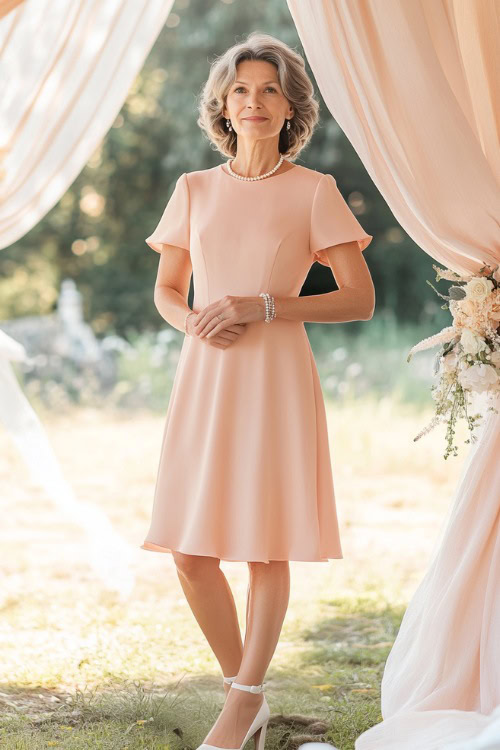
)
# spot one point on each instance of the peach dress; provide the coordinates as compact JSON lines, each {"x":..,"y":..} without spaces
{"x":244,"y":471}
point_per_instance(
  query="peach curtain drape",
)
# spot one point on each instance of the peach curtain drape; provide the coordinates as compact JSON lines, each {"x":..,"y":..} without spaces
{"x":415,"y":87}
{"x":7,"y":5}
{"x":66,"y":69}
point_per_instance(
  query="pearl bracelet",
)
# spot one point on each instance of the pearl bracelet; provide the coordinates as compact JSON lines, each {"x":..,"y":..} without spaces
{"x":270,"y":309}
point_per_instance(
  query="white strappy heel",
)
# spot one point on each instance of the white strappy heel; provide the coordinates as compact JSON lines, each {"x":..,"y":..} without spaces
{"x":229,"y":680}
{"x":258,"y":725}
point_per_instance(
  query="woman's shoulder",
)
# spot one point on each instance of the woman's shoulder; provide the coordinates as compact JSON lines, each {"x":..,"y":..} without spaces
{"x":312,"y":175}
{"x":201,"y":175}
{"x":309,"y":179}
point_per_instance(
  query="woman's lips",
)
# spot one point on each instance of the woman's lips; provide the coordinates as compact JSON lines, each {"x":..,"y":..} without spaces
{"x":255,"y":119}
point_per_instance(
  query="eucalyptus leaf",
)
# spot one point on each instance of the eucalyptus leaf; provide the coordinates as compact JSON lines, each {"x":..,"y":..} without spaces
{"x":457,"y":292}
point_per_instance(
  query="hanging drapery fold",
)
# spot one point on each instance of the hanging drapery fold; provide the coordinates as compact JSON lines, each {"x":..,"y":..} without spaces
{"x":414,"y":86}
{"x":67,"y":68}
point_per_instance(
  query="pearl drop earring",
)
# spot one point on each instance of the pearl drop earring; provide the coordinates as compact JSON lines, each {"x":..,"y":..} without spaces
{"x":288,"y":124}
{"x":228,"y":124}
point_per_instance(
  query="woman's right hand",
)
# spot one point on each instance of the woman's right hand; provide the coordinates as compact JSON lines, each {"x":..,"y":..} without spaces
{"x":222,"y":339}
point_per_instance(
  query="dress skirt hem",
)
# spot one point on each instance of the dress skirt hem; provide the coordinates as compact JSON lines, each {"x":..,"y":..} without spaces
{"x":152,"y":547}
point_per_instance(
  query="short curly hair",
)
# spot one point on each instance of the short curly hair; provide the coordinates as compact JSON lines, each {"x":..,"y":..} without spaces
{"x":294,"y":81}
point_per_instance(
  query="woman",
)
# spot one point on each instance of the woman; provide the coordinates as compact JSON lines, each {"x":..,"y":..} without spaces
{"x":245,"y":469}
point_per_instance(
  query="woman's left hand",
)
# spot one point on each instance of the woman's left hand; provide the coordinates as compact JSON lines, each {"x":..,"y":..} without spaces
{"x":228,"y":311}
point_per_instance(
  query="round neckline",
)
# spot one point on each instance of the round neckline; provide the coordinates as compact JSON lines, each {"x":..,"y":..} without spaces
{"x":267,"y":179}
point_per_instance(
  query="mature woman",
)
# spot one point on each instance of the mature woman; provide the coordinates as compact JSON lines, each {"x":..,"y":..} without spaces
{"x":245,"y":469}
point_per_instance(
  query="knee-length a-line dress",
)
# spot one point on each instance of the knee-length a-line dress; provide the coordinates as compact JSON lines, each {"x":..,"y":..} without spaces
{"x":244,"y":471}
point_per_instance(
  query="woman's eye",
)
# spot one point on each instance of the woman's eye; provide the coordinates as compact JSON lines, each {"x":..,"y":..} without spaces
{"x":240,"y":88}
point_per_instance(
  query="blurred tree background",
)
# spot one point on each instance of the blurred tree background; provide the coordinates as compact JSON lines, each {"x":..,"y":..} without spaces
{"x":95,"y":234}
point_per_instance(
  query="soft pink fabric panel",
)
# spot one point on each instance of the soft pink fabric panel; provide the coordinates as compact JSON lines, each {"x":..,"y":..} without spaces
{"x":414,"y":86}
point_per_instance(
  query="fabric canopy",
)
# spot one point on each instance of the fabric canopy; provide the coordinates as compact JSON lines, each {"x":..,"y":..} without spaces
{"x":66,"y":70}
{"x":414,"y":86}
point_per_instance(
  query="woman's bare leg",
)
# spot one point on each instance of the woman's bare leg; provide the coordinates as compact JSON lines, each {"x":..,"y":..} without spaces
{"x":211,"y":600}
{"x":268,"y":603}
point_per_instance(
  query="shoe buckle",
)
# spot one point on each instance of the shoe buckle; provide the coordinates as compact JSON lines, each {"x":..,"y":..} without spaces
{"x":249,"y":688}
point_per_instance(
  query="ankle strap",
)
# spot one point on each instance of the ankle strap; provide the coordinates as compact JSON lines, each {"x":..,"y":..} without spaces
{"x":250,"y":688}
{"x":230,"y":679}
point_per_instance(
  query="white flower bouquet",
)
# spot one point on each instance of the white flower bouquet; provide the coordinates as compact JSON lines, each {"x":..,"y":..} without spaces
{"x":468,"y":361}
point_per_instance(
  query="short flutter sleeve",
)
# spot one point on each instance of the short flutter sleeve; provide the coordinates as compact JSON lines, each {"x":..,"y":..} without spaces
{"x":332,"y":221}
{"x":173,"y":227}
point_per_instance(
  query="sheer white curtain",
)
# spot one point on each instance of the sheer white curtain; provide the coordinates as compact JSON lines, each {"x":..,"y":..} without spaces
{"x":414,"y":86}
{"x":66,"y":67}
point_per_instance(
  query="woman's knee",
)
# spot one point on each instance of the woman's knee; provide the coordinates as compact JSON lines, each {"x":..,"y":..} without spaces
{"x":194,"y":565}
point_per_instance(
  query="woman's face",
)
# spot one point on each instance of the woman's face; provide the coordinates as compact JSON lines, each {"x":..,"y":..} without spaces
{"x":256,"y":92}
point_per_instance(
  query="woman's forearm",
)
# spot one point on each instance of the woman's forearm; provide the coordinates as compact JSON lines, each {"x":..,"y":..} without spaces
{"x":171,"y":305}
{"x":342,"y":305}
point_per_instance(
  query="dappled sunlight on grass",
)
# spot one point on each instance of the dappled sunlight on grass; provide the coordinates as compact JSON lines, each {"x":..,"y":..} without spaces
{"x":75,"y":655}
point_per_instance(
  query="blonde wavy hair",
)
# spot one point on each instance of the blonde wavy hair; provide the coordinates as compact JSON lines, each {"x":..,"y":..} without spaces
{"x":294,"y":81}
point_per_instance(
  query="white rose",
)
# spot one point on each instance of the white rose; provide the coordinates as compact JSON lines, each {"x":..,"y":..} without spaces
{"x":471,"y":342}
{"x":478,"y":288}
{"x":478,"y":378}
{"x":449,"y":362}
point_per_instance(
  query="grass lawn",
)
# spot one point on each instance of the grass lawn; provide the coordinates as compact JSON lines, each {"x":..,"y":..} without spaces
{"x":86,"y":667}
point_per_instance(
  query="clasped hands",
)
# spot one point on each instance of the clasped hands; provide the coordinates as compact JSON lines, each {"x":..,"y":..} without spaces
{"x":223,"y":321}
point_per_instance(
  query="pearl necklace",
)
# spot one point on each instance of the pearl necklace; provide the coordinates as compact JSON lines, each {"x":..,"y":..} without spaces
{"x":260,"y":176}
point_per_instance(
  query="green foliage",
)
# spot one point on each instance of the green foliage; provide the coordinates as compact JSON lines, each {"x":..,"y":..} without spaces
{"x":353,"y":365}
{"x":95,"y":234}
